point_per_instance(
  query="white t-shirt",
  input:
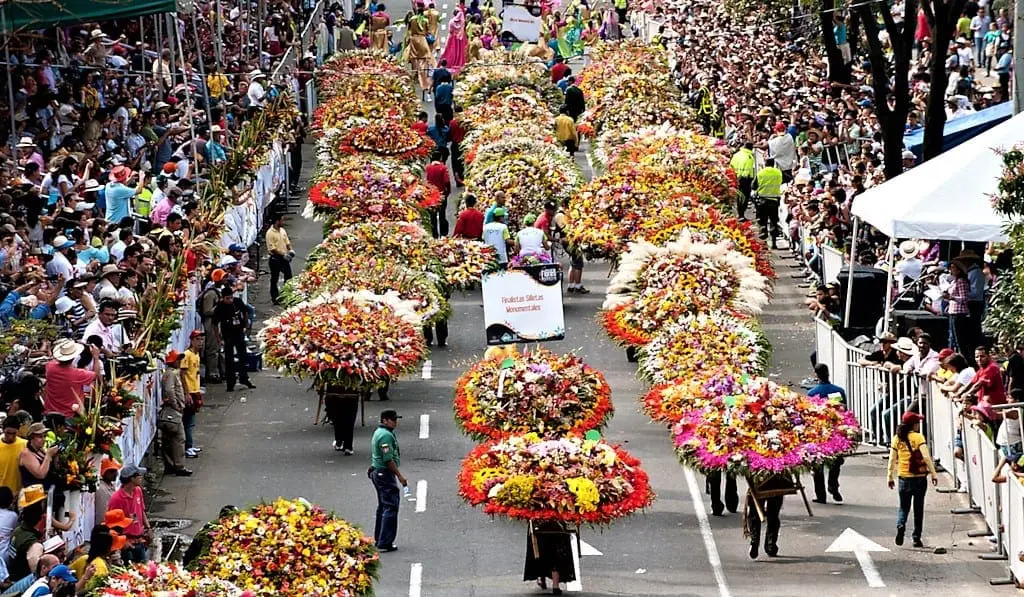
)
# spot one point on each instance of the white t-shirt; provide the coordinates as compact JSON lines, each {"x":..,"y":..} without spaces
{"x":964,"y":377}
{"x":256,"y":94}
{"x":496,"y":234}
{"x":1009,"y":433}
{"x":531,"y":241}
{"x":783,"y":150}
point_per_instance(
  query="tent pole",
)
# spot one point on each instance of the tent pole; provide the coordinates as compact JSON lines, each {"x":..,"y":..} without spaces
{"x":219,"y":36}
{"x":889,"y":281}
{"x":188,"y":97}
{"x":159,"y":45}
{"x":12,"y":138}
{"x":849,"y":275}
{"x":145,"y":75}
{"x":172,"y":35}
{"x":202,"y":72}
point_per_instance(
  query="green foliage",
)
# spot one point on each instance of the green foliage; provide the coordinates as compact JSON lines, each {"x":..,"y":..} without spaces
{"x":1005,"y":316}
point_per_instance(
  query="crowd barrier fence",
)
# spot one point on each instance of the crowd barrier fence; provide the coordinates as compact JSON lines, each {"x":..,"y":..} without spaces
{"x":879,"y":398}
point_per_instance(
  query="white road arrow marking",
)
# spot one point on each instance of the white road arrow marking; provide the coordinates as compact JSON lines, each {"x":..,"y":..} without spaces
{"x":587,"y":549}
{"x":861,"y":546}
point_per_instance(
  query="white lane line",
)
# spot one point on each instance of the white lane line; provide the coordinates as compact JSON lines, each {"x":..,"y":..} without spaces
{"x":424,"y":426}
{"x":444,"y":15}
{"x":415,"y":579}
{"x":705,"y":530}
{"x":444,"y":7}
{"x":428,"y":369}
{"x":421,"y":495}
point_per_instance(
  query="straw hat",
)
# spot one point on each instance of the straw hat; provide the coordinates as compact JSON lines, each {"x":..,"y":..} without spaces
{"x":887,"y":337}
{"x":26,"y":142}
{"x":905,"y":345}
{"x":96,"y":34}
{"x":908,"y":249}
{"x":32,"y":494}
{"x":67,"y":350}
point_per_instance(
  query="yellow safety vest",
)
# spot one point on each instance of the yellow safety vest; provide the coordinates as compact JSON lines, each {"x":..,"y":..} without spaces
{"x":769,"y":182}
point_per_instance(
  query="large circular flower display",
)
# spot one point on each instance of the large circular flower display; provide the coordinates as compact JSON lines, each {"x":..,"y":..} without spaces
{"x":163,"y":579}
{"x":464,"y":260}
{"x":526,"y":179}
{"x":403,"y":242}
{"x":355,"y":340}
{"x":538,"y":391}
{"x":568,"y":479}
{"x":658,"y":285}
{"x":373,"y":274}
{"x":765,"y":428}
{"x":388,"y":138}
{"x":292,"y":549}
{"x":358,"y":190}
{"x":704,"y":341}
{"x":666,"y":403}
{"x":366,"y":96}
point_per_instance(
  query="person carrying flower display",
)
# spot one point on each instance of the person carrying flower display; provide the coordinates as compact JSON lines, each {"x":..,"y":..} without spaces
{"x":766,"y":497}
{"x":549,"y":555}
{"x":827,"y":390}
{"x":342,"y":405}
{"x":437,"y":175}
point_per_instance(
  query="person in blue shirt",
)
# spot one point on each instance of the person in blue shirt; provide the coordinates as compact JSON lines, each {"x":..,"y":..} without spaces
{"x":1003,"y":68}
{"x":118,"y":194}
{"x":36,"y":308}
{"x":564,"y":82}
{"x":439,"y":131}
{"x":827,"y":390}
{"x":443,"y":100}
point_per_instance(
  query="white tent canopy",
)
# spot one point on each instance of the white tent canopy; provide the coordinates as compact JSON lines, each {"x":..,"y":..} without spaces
{"x":948,"y":197}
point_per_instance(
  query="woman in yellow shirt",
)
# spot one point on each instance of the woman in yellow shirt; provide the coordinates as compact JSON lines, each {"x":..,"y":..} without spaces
{"x":103,"y":543}
{"x":910,"y":461}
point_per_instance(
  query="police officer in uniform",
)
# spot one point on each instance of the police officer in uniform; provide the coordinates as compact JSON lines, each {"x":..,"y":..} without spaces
{"x":386,"y":477}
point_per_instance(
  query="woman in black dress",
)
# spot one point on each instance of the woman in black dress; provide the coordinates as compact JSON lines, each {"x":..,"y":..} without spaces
{"x":549,"y":555}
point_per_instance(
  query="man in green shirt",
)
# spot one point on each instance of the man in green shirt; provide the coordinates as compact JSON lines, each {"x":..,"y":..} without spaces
{"x":383,"y":472}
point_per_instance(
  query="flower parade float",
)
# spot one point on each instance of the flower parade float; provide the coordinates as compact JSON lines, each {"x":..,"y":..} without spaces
{"x":655,"y":286}
{"x":535,"y":391}
{"x":569,"y":479}
{"x":290,"y":548}
{"x":391,"y":138}
{"x":464,"y":261}
{"x":356,"y":340}
{"x":360,"y":190}
{"x":666,"y":403}
{"x":704,"y":341}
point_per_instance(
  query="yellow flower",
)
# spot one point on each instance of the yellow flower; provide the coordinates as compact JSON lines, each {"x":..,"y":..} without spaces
{"x":586,"y":493}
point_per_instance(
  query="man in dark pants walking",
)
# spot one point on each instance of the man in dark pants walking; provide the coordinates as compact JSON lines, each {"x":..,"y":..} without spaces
{"x":342,"y":407}
{"x":714,"y":487}
{"x":771,"y":492}
{"x":233,"y":317}
{"x":280,"y":260}
{"x":385,"y":476}
{"x":827,"y":390}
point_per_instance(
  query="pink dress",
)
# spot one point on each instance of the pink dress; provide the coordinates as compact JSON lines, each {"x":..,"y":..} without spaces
{"x":455,"y":47}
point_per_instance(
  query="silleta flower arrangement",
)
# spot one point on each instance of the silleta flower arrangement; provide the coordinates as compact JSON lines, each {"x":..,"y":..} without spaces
{"x":704,"y":341}
{"x":568,"y":479}
{"x":515,"y":74}
{"x":666,"y":403}
{"x":764,"y":429}
{"x":402,"y":242}
{"x":164,"y":579}
{"x":291,"y":548}
{"x":537,"y":391}
{"x":464,"y":260}
{"x":640,"y":99}
{"x":356,"y":340}
{"x":376,"y":275}
{"x":389,"y":138}
{"x":360,"y":189}
{"x":366,"y":96}
{"x":524,"y":106}
{"x":656,"y":285}
{"x":706,"y":225}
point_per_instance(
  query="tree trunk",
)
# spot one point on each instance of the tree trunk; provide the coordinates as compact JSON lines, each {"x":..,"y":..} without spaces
{"x":942,"y":16}
{"x":838,"y":72}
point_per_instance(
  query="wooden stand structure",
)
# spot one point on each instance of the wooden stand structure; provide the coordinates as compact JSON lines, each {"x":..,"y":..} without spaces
{"x":758,"y":495}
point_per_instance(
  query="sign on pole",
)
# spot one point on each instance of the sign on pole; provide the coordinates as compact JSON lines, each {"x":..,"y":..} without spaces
{"x":524,"y":305}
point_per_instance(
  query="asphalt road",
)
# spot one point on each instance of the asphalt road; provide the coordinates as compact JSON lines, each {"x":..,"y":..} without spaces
{"x":263,"y":443}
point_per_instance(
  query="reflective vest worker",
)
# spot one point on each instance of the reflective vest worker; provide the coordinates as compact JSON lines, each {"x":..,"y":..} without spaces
{"x":769,"y":181}
{"x":742,"y":164}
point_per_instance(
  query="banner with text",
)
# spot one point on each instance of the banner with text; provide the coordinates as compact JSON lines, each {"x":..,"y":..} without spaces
{"x":524,"y":305}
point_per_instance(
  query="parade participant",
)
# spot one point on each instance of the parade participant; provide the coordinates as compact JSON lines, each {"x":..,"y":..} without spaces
{"x":232,"y":315}
{"x":532,"y":240}
{"x":454,"y":54}
{"x":714,"y":487}
{"x":575,"y":102}
{"x":549,"y":555}
{"x":172,"y":430}
{"x":193,"y":390}
{"x":417,"y":49}
{"x":496,"y":234}
{"x":827,"y":390}
{"x":470,"y":223}
{"x":565,"y":131}
{"x":911,"y":463}
{"x":341,"y":405}
{"x":456,"y":134}
{"x":769,"y":192}
{"x":386,"y":477}
{"x":769,"y":495}
{"x":433,"y":21}
{"x":499,"y":202}
{"x":379,"y":22}
{"x":437,"y":175}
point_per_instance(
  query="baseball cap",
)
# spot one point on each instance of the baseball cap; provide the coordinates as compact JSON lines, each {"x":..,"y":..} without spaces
{"x":391,"y":415}
{"x":499,"y":212}
{"x":911,"y":417}
{"x":197,"y":334}
{"x":131,"y":470}
{"x":62,"y":572}
{"x":237,"y":247}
